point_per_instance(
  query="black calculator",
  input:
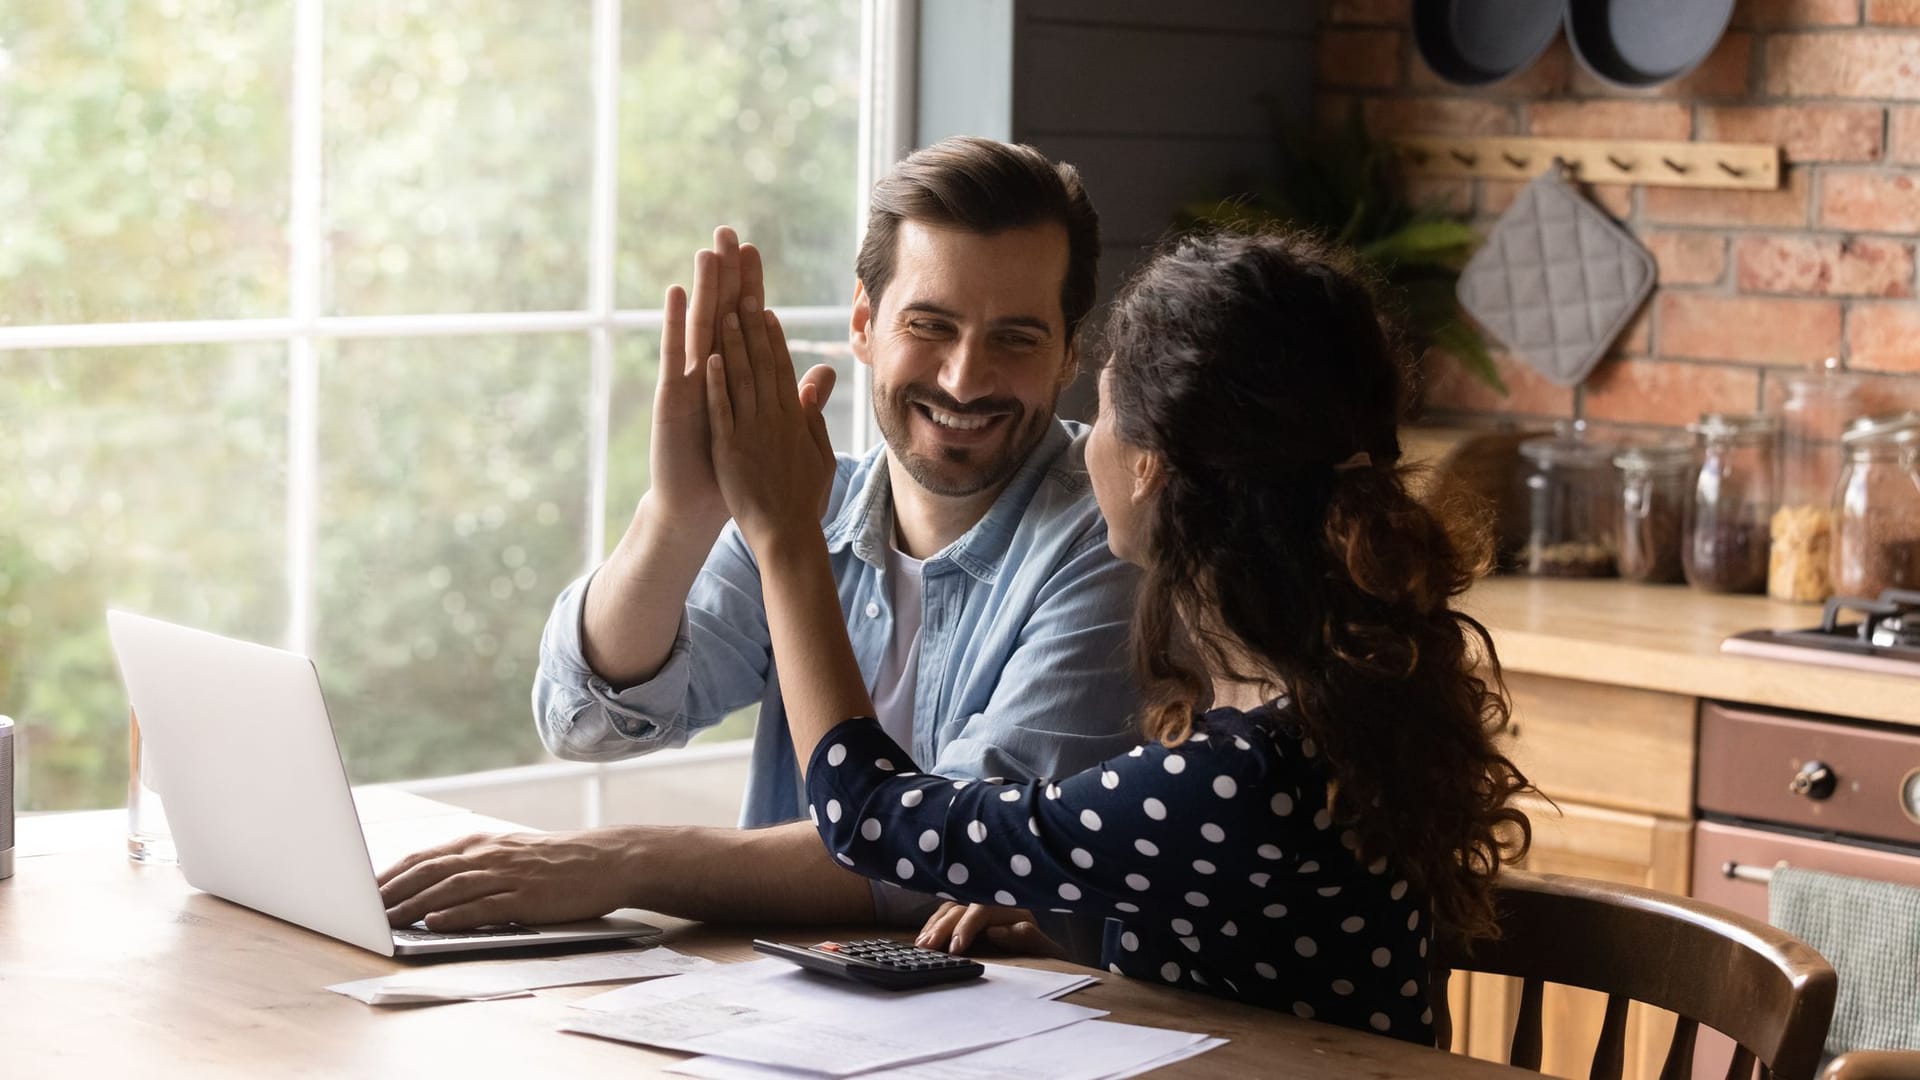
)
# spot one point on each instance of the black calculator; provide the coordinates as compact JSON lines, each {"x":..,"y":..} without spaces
{"x":889,"y":965}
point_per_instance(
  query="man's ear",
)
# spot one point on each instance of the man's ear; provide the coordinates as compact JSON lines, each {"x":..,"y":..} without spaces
{"x":1149,"y":476}
{"x":860,"y":325}
{"x":1069,"y":370}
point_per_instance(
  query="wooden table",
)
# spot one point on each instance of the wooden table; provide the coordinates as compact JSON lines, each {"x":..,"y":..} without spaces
{"x":111,"y":968}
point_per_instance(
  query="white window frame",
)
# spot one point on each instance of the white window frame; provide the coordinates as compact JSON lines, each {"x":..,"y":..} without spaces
{"x":888,"y":54}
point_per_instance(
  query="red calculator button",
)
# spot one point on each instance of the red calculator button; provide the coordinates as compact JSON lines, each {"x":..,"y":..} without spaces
{"x":828,"y":946}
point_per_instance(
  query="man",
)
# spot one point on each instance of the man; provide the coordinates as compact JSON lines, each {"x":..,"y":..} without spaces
{"x":981,"y":600}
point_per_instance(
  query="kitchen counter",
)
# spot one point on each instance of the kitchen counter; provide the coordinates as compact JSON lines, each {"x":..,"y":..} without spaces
{"x":1667,"y":638}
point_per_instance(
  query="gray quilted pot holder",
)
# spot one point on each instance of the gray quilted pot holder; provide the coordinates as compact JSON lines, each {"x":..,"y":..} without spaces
{"x":1556,"y":280}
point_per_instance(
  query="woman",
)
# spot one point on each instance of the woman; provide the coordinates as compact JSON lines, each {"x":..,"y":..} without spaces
{"x":1318,"y":793}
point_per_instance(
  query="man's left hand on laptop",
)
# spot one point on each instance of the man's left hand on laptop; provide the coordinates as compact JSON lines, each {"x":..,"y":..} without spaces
{"x":485,"y":879}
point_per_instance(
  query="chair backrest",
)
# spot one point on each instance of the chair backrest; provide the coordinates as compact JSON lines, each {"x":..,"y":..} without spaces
{"x":1767,"y":990}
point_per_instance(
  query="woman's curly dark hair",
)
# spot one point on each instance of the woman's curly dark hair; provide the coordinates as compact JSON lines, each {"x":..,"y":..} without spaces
{"x":1287,"y":549}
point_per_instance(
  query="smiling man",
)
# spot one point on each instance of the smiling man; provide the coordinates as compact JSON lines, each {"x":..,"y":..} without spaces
{"x":982,"y":603}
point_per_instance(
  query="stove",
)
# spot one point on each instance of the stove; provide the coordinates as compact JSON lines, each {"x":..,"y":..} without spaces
{"x":1880,"y":635}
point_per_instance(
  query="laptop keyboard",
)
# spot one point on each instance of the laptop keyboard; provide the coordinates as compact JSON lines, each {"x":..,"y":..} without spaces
{"x":417,"y":932}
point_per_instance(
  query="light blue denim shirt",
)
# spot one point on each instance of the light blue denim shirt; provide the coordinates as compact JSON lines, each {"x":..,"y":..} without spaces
{"x":1022,"y":672}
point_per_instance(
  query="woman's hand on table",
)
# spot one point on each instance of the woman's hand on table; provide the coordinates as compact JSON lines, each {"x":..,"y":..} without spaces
{"x":957,"y":927}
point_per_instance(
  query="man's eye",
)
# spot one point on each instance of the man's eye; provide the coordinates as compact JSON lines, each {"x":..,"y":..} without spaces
{"x":1019,"y":341}
{"x":924,"y":326}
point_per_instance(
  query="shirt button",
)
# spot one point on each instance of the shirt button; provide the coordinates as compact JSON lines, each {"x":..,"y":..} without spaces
{"x":873,"y":611}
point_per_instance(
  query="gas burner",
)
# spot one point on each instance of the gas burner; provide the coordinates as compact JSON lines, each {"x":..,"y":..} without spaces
{"x":1884,"y":637}
{"x":1892,"y":621}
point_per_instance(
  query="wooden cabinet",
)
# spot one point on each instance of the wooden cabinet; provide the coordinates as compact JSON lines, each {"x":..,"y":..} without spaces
{"x":1619,"y":763}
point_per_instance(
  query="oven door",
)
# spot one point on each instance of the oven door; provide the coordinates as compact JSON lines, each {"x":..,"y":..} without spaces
{"x":1719,"y":848}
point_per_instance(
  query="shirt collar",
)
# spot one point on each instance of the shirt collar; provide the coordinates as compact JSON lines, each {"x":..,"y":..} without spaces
{"x":866,"y":519}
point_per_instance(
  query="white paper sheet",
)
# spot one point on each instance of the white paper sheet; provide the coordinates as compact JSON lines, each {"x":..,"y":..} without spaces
{"x":820,"y":1028}
{"x":1029,"y":983}
{"x":1089,"y":1050}
{"x":488,"y":979}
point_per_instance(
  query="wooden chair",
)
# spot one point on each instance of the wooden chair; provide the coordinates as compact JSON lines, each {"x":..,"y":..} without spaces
{"x":1768,"y":991}
{"x":1874,"y":1065}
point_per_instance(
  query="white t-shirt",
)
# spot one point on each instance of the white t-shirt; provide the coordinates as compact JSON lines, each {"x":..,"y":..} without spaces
{"x":895,"y":682}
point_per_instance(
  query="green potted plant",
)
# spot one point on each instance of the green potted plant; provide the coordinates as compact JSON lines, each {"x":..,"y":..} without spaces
{"x":1341,"y":183}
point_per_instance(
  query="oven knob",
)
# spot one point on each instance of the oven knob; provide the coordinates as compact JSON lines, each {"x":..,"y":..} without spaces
{"x":1814,"y":780}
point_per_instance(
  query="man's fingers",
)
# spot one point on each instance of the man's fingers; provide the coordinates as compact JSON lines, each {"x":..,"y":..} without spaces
{"x":702,"y":311}
{"x":673,"y":337}
{"x":753,"y":280}
{"x":456,"y":890}
{"x":489,"y":910}
{"x":816,"y":386}
{"x":437,"y":851}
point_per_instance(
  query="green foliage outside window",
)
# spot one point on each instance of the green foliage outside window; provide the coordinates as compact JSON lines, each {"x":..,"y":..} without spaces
{"x":148,"y":151}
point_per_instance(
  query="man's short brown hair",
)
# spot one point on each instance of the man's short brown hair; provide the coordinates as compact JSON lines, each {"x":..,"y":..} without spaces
{"x":984,"y":186}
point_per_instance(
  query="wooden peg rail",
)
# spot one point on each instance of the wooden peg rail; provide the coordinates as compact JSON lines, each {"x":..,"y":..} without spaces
{"x":1740,"y":166}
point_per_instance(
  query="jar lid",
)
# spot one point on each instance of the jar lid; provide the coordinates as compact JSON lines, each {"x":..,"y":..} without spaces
{"x":1827,"y":377}
{"x":1585,"y":452}
{"x":1655,"y":457}
{"x":1895,"y":427}
{"x":1734,"y":425}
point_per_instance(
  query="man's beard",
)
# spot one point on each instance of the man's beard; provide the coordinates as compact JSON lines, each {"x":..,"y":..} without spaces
{"x":959,"y":470}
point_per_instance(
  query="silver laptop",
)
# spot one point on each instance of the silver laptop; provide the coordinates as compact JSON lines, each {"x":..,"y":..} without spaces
{"x":257,"y":798}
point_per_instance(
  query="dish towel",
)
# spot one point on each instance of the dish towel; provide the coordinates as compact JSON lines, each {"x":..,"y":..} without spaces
{"x":1870,"y":932}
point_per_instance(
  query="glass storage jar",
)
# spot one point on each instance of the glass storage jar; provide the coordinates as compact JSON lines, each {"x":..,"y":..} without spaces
{"x":1729,"y":516}
{"x":1570,"y":497}
{"x":1655,"y":481}
{"x":1816,"y":407}
{"x":1876,"y":507}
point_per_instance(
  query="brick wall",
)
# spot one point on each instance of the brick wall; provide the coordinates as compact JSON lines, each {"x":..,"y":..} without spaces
{"x":1751,"y":283}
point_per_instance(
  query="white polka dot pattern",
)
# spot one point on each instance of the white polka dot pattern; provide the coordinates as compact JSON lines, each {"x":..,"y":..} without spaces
{"x":1218,"y":861}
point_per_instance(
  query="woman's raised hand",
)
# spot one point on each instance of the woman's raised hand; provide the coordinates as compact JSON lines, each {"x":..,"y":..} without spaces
{"x":771,"y":454}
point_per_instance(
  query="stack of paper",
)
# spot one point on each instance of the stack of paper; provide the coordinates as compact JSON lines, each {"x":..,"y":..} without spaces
{"x":489,"y":979}
{"x":768,"y":1020}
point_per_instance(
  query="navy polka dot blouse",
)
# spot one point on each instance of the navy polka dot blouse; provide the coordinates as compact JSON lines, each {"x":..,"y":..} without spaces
{"x":1216,"y":862}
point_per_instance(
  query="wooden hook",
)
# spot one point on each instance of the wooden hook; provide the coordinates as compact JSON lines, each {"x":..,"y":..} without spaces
{"x":1464,"y":158}
{"x":1623,"y":166}
{"x":1415,"y":154}
{"x":1730,"y":170}
{"x":1516,"y":162}
{"x":1675,"y":166}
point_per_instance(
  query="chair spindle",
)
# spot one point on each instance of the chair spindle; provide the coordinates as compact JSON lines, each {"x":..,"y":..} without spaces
{"x":1741,"y":1068}
{"x":1526,"y":1028}
{"x":1679,"y":1065}
{"x":1610,"y":1054}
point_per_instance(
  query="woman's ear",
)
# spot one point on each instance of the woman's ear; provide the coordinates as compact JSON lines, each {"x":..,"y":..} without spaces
{"x":1149,"y":475}
{"x":860,"y":325}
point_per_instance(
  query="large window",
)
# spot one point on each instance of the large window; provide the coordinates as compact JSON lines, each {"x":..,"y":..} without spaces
{"x":333,"y":324}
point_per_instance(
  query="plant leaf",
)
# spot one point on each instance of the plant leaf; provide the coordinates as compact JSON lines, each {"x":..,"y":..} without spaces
{"x":1464,"y":343}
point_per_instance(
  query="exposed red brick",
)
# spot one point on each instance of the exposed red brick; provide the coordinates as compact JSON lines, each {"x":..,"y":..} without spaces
{"x":1688,"y":258}
{"x":1844,"y":65}
{"x":1749,"y":329}
{"x":1887,"y":393}
{"x":1439,"y":116}
{"x":1454,"y":194}
{"x":1824,"y":266}
{"x":1610,"y":119}
{"x":1449,"y":385}
{"x":1786,"y":207}
{"x":1883,"y":337}
{"x":1804,"y":132}
{"x":1667,"y":391}
{"x":1870,"y":201}
{"x":1390,"y":12}
{"x":1776,"y":14}
{"x":1725,"y":73}
{"x":1893,"y":12}
{"x":1361,"y":58}
{"x":1636,"y":339}
{"x":1903,"y":135}
{"x":1545,"y":77}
